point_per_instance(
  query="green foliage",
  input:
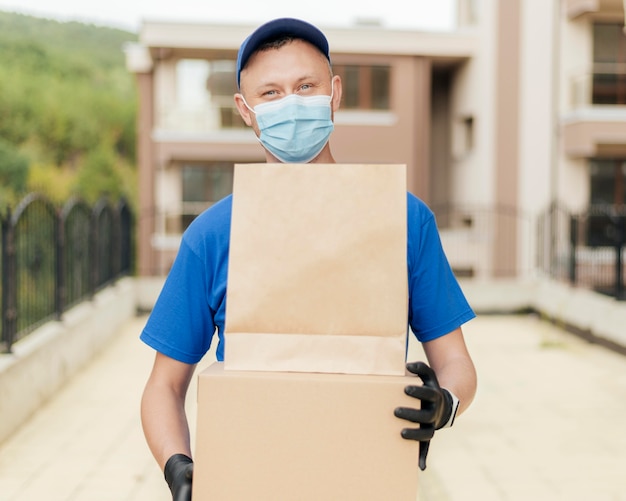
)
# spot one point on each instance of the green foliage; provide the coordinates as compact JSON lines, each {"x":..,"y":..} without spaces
{"x":66,"y":98}
{"x":56,"y":182}
{"x":99,"y":177}
{"x":13,"y":171}
{"x":77,"y":45}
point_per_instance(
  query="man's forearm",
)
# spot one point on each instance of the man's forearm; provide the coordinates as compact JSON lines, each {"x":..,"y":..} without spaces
{"x":164,"y":423}
{"x":459,"y":377}
{"x":449,"y":358}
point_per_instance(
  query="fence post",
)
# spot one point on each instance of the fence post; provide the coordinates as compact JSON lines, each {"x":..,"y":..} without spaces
{"x":116,"y":247}
{"x":4,"y":226}
{"x":60,"y":289}
{"x":620,"y":234}
{"x":573,"y":238}
{"x":94,"y":251}
{"x":126,"y":238}
{"x":9,"y":290}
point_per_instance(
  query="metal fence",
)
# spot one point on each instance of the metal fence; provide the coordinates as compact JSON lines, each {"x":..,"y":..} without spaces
{"x":486,"y":242}
{"x":53,"y":258}
{"x":585,"y":249}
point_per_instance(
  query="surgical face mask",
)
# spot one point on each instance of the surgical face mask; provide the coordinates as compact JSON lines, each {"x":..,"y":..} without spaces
{"x":296,"y":128}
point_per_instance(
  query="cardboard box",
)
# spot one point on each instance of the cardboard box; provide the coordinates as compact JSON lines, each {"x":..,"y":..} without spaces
{"x":302,"y":436}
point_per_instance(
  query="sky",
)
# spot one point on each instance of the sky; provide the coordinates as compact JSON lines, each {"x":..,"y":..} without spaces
{"x":435,"y":15}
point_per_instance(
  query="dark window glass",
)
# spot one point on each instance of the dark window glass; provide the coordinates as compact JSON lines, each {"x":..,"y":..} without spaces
{"x":380,"y":87}
{"x":364,"y":87}
{"x":609,"y":58}
{"x":607,"y":182}
{"x":203,"y":185}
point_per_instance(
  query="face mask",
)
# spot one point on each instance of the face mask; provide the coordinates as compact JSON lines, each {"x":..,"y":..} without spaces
{"x":294,"y":129}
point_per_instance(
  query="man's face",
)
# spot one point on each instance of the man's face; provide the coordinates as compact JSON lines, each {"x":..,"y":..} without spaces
{"x":295,"y":68}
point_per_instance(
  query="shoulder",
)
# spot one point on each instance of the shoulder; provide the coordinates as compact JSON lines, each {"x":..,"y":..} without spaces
{"x":418,"y":212}
{"x":211,"y":227}
{"x":422,"y":231}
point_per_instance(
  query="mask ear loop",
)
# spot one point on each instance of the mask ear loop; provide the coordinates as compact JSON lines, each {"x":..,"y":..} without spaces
{"x":246,"y":103}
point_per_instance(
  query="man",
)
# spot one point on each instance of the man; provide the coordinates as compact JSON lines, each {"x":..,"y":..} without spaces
{"x":283,"y":70}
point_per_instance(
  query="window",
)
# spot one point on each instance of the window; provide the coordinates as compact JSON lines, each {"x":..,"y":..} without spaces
{"x":203,"y":185}
{"x":204,"y":97}
{"x":221,"y":86}
{"x":609,"y":58}
{"x":608,"y":177}
{"x":364,"y":87}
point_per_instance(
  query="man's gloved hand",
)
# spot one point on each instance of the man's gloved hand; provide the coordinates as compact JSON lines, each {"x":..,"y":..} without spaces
{"x":178,"y":475}
{"x":437,"y":407}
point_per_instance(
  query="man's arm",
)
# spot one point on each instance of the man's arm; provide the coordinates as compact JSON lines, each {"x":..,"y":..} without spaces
{"x":451,"y":374}
{"x":163,"y":409}
{"x":449,"y":358}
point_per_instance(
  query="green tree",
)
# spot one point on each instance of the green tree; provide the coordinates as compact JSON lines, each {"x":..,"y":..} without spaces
{"x":13,"y":171}
{"x":67,"y":101}
{"x":100,"y":175}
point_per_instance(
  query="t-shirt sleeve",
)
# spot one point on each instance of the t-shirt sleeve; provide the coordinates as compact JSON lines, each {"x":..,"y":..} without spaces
{"x":437,"y":304}
{"x":181,"y":323}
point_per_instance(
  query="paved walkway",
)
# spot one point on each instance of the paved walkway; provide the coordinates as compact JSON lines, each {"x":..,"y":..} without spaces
{"x":547,"y":424}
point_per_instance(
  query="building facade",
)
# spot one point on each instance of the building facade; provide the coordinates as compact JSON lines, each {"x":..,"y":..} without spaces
{"x":520,"y":107}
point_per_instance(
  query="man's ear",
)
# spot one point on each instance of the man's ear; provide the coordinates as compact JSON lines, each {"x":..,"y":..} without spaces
{"x":243,"y":110}
{"x":337,"y":92}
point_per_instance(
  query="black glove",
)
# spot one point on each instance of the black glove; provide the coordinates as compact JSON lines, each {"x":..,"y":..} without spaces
{"x":434,"y":413}
{"x":178,"y":475}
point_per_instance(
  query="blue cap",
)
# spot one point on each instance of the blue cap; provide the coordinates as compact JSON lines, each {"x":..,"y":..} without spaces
{"x":278,"y":28}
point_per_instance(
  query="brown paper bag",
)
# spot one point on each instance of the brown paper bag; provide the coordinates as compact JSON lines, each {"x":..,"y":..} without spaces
{"x":317,"y":278}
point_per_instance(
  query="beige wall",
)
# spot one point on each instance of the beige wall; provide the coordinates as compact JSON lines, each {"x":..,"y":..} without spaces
{"x":538,"y":119}
{"x":575,"y":57}
{"x":537,"y":106}
{"x":573,"y":187}
{"x":146,"y":258}
{"x":472,"y":94}
{"x":594,"y":137}
{"x":406,"y":138}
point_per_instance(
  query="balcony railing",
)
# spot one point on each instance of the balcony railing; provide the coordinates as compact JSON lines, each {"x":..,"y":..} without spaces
{"x":606,"y":85}
{"x":201,"y":120}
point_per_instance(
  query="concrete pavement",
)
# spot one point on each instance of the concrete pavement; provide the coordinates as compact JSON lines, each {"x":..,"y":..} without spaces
{"x":547,"y":424}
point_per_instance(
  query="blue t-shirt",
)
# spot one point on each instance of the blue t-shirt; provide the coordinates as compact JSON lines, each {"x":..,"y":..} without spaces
{"x":192,"y":303}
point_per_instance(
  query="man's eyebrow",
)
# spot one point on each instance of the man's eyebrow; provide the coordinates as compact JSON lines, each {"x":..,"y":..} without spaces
{"x":308,"y":77}
{"x":261,"y":88}
{"x":273,"y":84}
